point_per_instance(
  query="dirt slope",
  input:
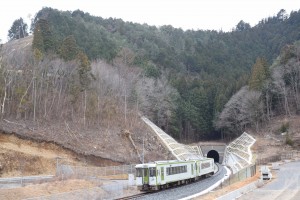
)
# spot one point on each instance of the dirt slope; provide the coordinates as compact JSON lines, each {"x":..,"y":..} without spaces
{"x":24,"y":157}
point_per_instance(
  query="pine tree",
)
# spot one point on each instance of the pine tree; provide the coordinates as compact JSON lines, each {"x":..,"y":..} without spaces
{"x":69,"y":49}
{"x":18,"y":30}
{"x":38,"y":42}
{"x":43,"y":39}
{"x":84,"y":71}
{"x":260,"y":72}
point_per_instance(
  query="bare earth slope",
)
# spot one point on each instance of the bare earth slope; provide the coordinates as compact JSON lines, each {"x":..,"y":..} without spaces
{"x":20,"y":157}
{"x":97,"y":145}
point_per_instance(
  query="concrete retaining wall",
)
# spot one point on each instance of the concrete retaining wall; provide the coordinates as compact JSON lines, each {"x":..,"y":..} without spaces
{"x":239,"y":192}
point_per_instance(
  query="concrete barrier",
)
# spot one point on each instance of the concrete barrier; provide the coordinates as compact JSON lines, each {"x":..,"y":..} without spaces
{"x":239,"y":192}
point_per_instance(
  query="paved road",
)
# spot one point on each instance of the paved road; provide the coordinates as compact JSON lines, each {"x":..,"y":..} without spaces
{"x":286,"y":185}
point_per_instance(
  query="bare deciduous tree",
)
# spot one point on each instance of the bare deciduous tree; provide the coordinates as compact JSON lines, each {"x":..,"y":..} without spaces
{"x":244,"y":109}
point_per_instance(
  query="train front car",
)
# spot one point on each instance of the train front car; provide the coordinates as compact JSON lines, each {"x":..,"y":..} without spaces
{"x":146,"y":177}
{"x":206,"y":167}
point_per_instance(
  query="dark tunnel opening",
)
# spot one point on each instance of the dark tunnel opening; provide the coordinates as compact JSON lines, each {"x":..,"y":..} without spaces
{"x":214,"y":154}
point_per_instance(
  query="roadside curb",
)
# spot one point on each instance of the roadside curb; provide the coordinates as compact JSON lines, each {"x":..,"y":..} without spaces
{"x":239,"y":192}
{"x":250,"y":187}
{"x":226,"y":176}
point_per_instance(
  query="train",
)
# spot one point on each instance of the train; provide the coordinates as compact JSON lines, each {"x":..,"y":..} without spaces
{"x":164,"y":174}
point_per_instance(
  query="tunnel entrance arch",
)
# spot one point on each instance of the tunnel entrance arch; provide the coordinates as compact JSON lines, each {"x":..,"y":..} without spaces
{"x":214,"y":154}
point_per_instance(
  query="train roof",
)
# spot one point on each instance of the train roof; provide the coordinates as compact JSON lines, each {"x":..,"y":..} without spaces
{"x":145,"y":165}
{"x":161,"y":162}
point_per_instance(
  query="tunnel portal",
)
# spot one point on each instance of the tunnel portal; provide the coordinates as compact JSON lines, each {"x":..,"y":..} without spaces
{"x":214,"y":154}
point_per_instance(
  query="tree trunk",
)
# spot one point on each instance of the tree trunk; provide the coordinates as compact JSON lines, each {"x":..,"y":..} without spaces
{"x":34,"y":100}
{"x":18,"y":114}
{"x":84,"y":109}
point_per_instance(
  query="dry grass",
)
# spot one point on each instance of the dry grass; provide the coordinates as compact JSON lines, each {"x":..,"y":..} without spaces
{"x":44,"y":189}
{"x":116,"y":177}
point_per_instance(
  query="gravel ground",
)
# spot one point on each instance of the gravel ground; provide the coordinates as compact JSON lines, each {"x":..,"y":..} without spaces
{"x":285,"y":186}
{"x":187,"y":190}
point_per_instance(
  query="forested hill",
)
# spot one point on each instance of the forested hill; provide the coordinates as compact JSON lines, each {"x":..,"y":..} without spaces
{"x":205,"y":67}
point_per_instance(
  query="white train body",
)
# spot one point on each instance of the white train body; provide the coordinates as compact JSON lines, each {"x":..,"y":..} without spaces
{"x":162,"y":174}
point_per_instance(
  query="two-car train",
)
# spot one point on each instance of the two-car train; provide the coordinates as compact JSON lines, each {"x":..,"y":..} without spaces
{"x":163,"y":174}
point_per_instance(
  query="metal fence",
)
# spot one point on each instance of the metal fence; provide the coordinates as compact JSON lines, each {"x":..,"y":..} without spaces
{"x":239,"y":176}
{"x":283,"y":156}
{"x":14,"y":182}
{"x":66,"y":171}
{"x":251,"y":170}
{"x":94,"y":174}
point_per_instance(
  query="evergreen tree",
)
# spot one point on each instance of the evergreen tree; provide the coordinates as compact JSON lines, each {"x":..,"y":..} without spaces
{"x":241,"y":26}
{"x":38,"y":42}
{"x":45,"y":39}
{"x":203,"y":120}
{"x":69,"y":49}
{"x":18,"y":30}
{"x":84,"y":71}
{"x":260,"y":72}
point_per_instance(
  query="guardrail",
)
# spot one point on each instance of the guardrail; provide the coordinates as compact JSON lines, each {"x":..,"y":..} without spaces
{"x":84,"y":171}
{"x":24,"y":180}
{"x":283,"y":156}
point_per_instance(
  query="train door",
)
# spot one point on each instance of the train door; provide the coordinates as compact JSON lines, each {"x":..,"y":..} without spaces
{"x":192,"y":169}
{"x":146,"y":176}
{"x":162,"y":173}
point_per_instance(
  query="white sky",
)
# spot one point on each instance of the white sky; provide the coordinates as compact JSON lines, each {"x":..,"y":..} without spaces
{"x":185,"y":14}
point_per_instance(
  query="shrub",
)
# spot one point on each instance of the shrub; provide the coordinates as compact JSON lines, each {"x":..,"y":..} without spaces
{"x":284,"y":127}
{"x":289,"y":141}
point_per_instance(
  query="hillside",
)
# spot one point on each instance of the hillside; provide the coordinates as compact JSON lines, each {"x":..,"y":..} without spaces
{"x":103,"y":143}
{"x":202,"y":69}
{"x":78,"y":87}
{"x":82,"y":82}
{"x":272,"y":92}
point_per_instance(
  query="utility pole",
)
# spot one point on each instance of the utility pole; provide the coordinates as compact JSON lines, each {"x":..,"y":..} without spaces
{"x":143,"y":148}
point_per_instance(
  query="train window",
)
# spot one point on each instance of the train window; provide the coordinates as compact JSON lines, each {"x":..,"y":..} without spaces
{"x":176,"y":170}
{"x":152,"y":171}
{"x":139,"y":172}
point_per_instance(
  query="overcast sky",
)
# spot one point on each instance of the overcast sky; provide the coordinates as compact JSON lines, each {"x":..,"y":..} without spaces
{"x":185,"y":14}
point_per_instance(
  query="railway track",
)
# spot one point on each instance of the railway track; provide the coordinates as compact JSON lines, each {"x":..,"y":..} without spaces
{"x":141,"y":195}
{"x":136,"y":196}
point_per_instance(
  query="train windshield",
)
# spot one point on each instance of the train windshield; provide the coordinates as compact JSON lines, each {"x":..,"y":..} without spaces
{"x":152,"y":171}
{"x":139,"y":172}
